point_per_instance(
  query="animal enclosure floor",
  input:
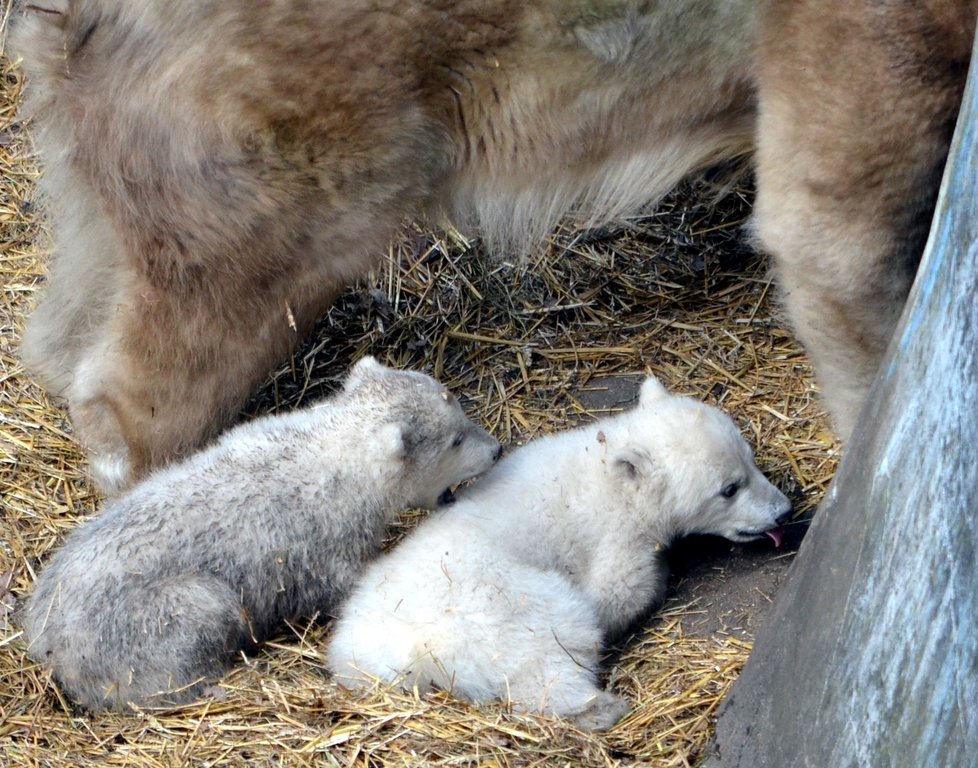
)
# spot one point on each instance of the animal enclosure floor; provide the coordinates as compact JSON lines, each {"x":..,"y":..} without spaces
{"x":532,"y":345}
{"x":727,"y":589}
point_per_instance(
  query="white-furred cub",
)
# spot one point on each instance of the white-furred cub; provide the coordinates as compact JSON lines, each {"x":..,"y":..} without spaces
{"x":149,"y":601}
{"x":511,"y":593}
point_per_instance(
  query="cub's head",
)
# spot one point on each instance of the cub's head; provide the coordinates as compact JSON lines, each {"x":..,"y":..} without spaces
{"x":692,"y":456}
{"x":422,"y":428}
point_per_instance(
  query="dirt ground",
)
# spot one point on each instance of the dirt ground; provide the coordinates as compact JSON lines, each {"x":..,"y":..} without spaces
{"x":728,"y":588}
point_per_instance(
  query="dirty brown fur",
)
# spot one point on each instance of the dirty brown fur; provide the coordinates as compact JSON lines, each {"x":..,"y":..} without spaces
{"x":217,"y":172}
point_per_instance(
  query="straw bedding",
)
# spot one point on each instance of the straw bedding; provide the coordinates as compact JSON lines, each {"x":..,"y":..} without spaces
{"x":531,"y":346}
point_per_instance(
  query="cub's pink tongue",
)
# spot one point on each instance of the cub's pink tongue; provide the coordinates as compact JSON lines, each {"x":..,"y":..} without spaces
{"x":776,"y":535}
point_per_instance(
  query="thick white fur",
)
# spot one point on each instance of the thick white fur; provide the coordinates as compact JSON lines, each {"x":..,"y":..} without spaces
{"x":510,"y":593}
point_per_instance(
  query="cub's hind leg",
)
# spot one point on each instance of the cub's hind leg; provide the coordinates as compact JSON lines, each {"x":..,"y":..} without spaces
{"x":564,"y":684}
{"x":145,"y":643}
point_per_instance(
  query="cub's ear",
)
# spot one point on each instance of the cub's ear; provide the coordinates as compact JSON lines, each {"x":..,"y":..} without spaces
{"x":366,"y":367}
{"x":392,"y":440}
{"x":633,"y":464}
{"x":651,"y":391}
{"x":367,"y":364}
{"x":400,"y":440}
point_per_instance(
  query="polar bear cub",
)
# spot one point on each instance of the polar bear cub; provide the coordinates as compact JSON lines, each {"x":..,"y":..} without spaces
{"x":151,"y":599}
{"x":510,"y":594}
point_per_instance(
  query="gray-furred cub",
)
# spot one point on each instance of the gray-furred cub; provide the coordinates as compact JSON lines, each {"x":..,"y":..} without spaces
{"x":150,"y":600}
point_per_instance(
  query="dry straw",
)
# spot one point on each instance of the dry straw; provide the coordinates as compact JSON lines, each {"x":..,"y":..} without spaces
{"x":532,"y":346}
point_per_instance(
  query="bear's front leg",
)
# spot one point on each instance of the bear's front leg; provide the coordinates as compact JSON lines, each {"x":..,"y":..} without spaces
{"x":857,"y":106}
{"x":172,"y":367}
{"x":622,"y":584}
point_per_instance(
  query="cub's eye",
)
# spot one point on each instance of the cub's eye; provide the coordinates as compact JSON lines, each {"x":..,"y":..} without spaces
{"x":730,"y":491}
{"x":458,"y":440}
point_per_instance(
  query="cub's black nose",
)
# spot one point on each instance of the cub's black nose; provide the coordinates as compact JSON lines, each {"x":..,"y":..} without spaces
{"x":447,"y":497}
{"x":784,"y":518}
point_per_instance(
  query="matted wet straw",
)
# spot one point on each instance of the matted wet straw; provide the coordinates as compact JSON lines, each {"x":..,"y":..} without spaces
{"x":531,"y":347}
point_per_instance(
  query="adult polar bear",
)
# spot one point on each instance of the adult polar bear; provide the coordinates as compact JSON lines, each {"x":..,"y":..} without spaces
{"x":216,"y":172}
